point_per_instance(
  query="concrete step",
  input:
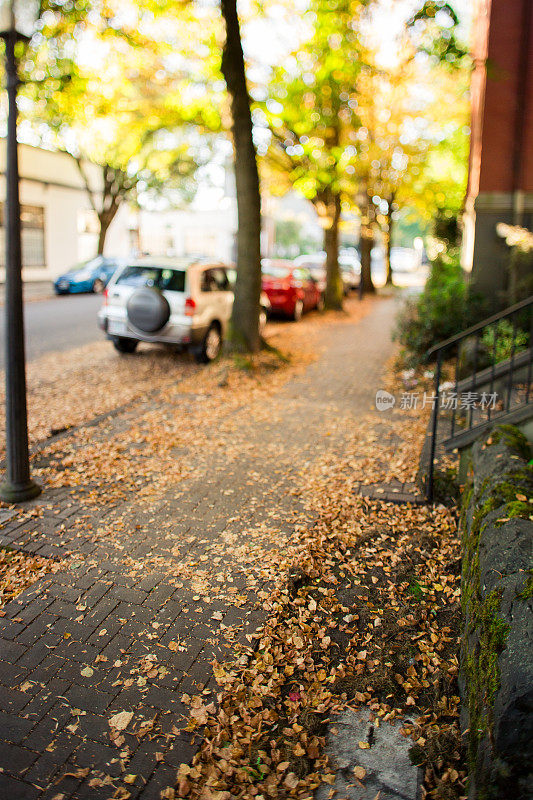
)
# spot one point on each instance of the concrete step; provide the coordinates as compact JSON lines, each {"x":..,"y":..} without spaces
{"x":389,"y":773}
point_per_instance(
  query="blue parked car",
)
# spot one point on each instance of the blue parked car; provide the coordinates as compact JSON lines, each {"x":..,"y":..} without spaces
{"x":91,"y":276}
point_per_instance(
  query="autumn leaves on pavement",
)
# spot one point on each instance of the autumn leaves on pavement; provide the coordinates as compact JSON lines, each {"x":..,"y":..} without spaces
{"x":357,"y":600}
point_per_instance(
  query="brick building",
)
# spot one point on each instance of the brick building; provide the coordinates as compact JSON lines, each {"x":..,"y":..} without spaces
{"x":500,"y":187}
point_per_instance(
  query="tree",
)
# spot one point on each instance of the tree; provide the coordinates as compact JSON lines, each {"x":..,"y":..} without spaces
{"x":413,"y":136}
{"x":390,"y":145}
{"x":135,"y":124}
{"x":245,"y":316}
{"x":313,"y":120}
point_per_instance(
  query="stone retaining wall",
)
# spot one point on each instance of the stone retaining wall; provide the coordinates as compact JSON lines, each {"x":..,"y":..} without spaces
{"x":497,"y":600}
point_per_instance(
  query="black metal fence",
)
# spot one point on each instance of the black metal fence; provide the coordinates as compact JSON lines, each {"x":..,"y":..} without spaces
{"x":491,"y":373}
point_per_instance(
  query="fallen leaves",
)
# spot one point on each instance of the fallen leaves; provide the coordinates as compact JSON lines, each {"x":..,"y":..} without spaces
{"x":358,"y":622}
{"x":325,"y":642}
{"x":19,"y":570}
{"x":121,"y":720}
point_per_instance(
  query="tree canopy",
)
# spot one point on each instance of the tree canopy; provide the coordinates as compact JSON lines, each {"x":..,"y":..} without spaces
{"x":313,"y":116}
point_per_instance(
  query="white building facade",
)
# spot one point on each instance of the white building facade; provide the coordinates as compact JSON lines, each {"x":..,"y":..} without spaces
{"x":60,"y":229}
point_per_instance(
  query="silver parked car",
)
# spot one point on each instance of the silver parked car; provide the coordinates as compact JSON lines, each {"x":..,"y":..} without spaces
{"x":177,"y":302}
{"x":180,"y":302}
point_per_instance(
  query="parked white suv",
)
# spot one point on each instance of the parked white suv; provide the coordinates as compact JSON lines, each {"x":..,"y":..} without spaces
{"x":170,"y":301}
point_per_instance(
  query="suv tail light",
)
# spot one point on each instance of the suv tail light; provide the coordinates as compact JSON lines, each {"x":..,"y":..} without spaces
{"x":190,"y":307}
{"x":104,"y":297}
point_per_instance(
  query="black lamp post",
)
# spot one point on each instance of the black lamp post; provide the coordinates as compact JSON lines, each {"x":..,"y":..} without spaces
{"x":17,"y":21}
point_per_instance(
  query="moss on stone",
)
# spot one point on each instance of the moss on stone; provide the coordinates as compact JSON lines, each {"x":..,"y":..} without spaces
{"x":513,"y":438}
{"x":497,"y":500}
{"x":516,"y":509}
{"x":527,"y":592}
{"x":482,"y":668}
{"x":507,"y":494}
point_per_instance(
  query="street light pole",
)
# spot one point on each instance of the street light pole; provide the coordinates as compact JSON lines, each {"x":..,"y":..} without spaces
{"x":18,"y":485}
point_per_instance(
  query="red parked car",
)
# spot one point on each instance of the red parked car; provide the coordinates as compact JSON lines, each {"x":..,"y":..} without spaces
{"x":290,"y":289}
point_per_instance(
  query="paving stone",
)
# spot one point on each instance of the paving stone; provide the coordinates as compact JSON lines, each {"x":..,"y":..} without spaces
{"x":90,"y":754}
{"x":35,"y":655}
{"x":9,"y":629}
{"x":133,"y":596}
{"x":163,"y":776}
{"x":143,"y":761}
{"x":40,"y":735}
{"x":13,"y":789}
{"x":35,"y":630}
{"x":15,"y":759}
{"x":101,"y":610}
{"x":12,"y":700}
{"x":14,"y":728}
{"x":87,"y":792}
{"x":50,"y":666}
{"x":150,"y":581}
{"x":79,"y":651}
{"x":11,"y":651}
{"x":12,"y":674}
{"x":67,"y":787}
{"x":52,"y":762}
{"x":181,"y":752}
{"x":93,"y":726}
{"x":104,"y":632}
{"x":389,"y":772}
{"x":88,"y":698}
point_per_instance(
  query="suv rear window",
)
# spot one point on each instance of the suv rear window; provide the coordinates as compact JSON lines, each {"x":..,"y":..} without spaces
{"x":276,"y":272}
{"x":162,"y":278}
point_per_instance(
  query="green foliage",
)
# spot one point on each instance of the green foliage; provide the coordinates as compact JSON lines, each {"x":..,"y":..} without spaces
{"x":436,"y":24}
{"x":290,"y":240}
{"x":442,"y":310}
{"x":504,"y":341}
{"x":102,"y":81}
{"x":314,"y":116}
{"x":415,"y":590}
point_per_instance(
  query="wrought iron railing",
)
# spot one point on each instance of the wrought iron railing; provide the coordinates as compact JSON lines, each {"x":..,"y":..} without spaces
{"x":491,"y":363}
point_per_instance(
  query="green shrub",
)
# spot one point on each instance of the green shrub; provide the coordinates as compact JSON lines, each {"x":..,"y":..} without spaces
{"x":503,"y":332}
{"x":443,"y":309}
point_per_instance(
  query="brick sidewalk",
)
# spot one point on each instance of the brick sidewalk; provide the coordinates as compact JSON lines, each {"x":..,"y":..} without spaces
{"x":136,"y":619}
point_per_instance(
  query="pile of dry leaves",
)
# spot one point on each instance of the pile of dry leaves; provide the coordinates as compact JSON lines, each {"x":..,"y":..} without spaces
{"x":18,"y":571}
{"x":368,"y":615}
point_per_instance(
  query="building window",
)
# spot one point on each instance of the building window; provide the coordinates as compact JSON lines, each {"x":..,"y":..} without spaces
{"x":32,"y":235}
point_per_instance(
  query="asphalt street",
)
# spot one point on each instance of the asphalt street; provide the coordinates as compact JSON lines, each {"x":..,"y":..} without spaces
{"x":57,"y":324}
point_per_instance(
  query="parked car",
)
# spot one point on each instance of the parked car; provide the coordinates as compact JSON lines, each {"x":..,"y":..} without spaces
{"x":91,"y":276}
{"x":349,"y":265}
{"x":179,"y":302}
{"x":316,"y":266}
{"x":404,"y":259}
{"x":350,"y":273}
{"x":291,"y":289}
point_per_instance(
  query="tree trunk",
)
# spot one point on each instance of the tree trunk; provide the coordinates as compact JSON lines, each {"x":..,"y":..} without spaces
{"x":334,"y":285}
{"x":367,"y":241}
{"x":388,"y":248}
{"x":105,"y":218}
{"x":244,"y":328}
{"x":104,"y":227}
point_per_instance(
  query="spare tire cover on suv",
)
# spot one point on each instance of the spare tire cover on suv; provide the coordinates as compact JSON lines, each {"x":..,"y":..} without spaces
{"x":148,"y":310}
